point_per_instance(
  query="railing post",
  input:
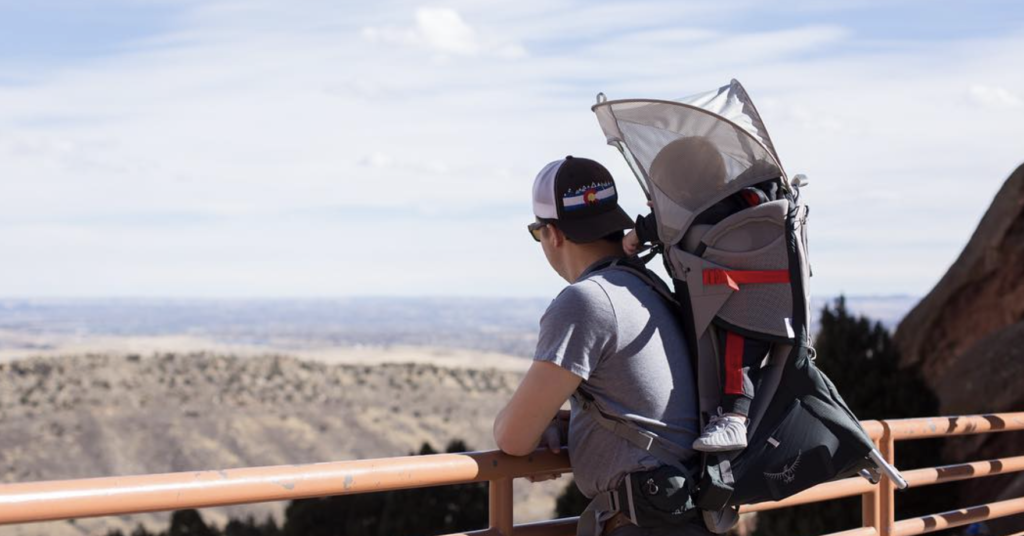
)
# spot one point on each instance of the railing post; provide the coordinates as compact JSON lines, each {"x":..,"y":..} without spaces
{"x":500,"y":505}
{"x":886,"y":489}
{"x":871,"y":512}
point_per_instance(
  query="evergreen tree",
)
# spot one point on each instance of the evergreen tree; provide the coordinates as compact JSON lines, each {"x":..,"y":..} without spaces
{"x":249,"y":527}
{"x":189,"y":523}
{"x":571,"y":502}
{"x":269,"y":527}
{"x":861,"y":359}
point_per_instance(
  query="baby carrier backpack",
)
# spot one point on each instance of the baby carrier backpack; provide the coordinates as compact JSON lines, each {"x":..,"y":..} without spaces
{"x":733,"y":234}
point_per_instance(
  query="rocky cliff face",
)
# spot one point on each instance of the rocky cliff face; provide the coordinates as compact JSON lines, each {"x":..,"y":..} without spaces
{"x":980,"y":295}
{"x":967,"y":337}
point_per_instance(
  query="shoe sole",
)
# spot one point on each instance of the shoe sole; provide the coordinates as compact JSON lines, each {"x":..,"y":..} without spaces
{"x":727,"y":448}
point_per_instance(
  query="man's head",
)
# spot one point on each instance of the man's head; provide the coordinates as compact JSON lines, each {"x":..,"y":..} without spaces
{"x":578,"y":216}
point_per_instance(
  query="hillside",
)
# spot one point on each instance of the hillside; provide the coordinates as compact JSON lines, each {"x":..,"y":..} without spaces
{"x":94,"y":415}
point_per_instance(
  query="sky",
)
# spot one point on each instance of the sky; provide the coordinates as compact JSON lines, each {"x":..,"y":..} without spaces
{"x":250,"y":148}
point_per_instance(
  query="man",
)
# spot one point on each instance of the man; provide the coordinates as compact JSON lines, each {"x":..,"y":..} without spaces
{"x":609,"y":335}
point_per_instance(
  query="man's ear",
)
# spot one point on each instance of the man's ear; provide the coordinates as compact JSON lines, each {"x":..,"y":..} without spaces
{"x":557,"y":236}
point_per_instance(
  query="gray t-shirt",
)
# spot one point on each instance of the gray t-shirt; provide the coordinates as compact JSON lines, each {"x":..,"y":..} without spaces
{"x":614,"y":331}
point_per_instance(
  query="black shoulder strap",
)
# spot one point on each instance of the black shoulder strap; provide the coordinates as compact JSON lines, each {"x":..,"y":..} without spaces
{"x":663,"y":450}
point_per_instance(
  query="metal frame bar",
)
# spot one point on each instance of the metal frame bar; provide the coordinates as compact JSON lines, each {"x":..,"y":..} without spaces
{"x":957,"y":518}
{"x":500,"y":505}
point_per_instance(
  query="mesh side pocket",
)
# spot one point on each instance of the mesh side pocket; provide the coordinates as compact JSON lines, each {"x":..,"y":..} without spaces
{"x":795,"y":455}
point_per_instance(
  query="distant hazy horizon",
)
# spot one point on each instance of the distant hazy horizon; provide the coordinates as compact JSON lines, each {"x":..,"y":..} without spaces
{"x":501,"y":325}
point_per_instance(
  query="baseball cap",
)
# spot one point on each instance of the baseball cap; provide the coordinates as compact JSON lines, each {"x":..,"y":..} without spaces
{"x":580,"y":195}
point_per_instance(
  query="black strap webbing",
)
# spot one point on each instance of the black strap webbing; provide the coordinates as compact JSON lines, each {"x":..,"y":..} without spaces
{"x":665,"y":451}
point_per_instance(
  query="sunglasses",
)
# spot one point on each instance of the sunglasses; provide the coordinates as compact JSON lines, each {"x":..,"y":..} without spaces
{"x":535,"y":228}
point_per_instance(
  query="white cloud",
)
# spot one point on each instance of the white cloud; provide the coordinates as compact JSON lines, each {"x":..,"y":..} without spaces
{"x":377,"y":159}
{"x":393,"y":36}
{"x":259,"y":118}
{"x":383,"y":160}
{"x":993,"y":97}
{"x":444,"y":31}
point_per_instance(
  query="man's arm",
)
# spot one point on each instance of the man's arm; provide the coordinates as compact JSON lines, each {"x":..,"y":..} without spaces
{"x":518,"y":428}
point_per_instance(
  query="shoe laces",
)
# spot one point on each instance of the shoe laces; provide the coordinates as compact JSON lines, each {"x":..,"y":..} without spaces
{"x":717,"y":422}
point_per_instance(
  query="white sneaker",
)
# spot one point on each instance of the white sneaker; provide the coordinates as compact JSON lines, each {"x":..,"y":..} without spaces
{"x":723,"y":433}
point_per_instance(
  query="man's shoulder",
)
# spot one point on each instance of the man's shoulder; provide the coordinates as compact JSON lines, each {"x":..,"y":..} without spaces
{"x":627,"y":275}
{"x":603,"y":292}
{"x":633,"y":291}
{"x":585,"y":294}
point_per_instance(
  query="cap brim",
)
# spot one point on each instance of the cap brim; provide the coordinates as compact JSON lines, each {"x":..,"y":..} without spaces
{"x":585,"y":230}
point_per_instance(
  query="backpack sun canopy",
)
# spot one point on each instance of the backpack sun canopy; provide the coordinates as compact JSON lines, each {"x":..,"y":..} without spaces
{"x":732,"y":150}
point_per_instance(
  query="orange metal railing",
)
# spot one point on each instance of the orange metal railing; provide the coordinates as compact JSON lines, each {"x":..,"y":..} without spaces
{"x":878,"y":504}
{"x":43,"y":501}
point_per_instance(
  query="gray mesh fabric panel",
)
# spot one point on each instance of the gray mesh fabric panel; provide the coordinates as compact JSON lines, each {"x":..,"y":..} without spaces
{"x":705,"y":300}
{"x":759,"y":307}
{"x":750,"y":229}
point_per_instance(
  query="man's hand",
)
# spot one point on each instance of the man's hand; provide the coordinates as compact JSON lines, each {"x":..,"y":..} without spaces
{"x":552,"y":440}
{"x":556,"y":433}
{"x":631,"y":243}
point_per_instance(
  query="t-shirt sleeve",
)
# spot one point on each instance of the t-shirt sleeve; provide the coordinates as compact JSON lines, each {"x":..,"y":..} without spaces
{"x":578,"y":329}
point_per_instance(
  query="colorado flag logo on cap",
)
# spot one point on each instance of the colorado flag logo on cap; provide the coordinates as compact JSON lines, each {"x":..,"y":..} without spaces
{"x":588,"y":196}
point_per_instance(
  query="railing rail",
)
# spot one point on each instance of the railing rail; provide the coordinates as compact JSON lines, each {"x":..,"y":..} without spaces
{"x":92,"y":497}
{"x":54,"y":500}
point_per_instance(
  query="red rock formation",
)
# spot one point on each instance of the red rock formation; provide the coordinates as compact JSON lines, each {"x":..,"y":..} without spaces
{"x":983,"y":292}
{"x":967,"y":338}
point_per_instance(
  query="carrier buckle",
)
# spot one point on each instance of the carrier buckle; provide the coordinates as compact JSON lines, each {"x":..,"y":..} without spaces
{"x":717,"y":276}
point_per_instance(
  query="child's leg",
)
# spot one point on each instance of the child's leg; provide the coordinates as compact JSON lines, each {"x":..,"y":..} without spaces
{"x":741,"y":358}
{"x":740,"y":365}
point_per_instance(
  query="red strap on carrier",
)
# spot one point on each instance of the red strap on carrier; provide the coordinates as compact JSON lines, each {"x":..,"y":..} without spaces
{"x":733,"y":363}
{"x":735,"y":278}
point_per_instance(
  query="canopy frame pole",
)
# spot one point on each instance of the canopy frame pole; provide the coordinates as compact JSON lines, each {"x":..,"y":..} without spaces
{"x":641,"y":176}
{"x":639,"y":173}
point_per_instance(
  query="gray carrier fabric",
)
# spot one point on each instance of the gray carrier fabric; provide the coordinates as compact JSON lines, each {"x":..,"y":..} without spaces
{"x":754,"y":239}
{"x":745,"y":272}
